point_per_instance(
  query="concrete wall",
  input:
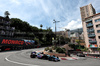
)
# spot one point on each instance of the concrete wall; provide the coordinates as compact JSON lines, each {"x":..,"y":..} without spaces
{"x":85,"y":34}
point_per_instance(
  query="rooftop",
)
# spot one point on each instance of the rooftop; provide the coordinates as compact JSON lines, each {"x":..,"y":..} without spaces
{"x":92,"y":15}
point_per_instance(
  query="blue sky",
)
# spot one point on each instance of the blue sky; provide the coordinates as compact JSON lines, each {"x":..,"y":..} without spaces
{"x":37,"y":12}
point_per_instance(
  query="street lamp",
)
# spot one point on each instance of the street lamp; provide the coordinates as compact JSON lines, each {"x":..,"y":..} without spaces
{"x":55,"y":24}
{"x":55,"y":28}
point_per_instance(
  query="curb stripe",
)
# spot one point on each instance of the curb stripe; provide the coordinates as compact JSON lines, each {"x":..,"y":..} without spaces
{"x":74,"y":58}
{"x":63,"y":59}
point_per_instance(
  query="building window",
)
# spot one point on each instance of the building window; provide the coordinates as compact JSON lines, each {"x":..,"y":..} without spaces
{"x":87,"y":14}
{"x":97,"y":25}
{"x":99,"y":37}
{"x":97,"y":20}
{"x":98,"y":31}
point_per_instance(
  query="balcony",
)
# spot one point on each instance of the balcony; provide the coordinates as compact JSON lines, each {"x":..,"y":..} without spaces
{"x":94,"y":46}
{"x":8,"y":34}
{"x":91,"y":35}
{"x":90,"y":30}
{"x":88,"y":21}
{"x":89,"y":25}
{"x":1,"y":22}
{"x":94,"y":41}
{"x":1,"y":34}
{"x":10,"y":28}
{"x":1,"y":27}
{"x":7,"y":23}
{"x":20,"y":32}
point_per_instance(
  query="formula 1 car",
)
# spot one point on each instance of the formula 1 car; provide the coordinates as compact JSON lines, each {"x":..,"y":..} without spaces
{"x":53,"y":58}
{"x":42,"y":56}
{"x":33,"y":55}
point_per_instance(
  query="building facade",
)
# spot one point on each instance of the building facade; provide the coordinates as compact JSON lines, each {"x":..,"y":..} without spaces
{"x":91,"y":29}
{"x":5,"y":29}
{"x":76,"y":34}
{"x":62,"y":33}
{"x":87,"y":11}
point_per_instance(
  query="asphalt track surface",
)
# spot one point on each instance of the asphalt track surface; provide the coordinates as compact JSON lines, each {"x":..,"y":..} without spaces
{"x":22,"y":58}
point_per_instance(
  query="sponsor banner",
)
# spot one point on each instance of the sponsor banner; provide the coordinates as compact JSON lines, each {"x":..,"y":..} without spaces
{"x":9,"y":41}
{"x":29,"y":42}
{"x":13,"y":41}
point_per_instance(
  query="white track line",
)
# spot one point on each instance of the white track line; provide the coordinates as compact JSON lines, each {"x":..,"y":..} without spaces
{"x":19,"y":62}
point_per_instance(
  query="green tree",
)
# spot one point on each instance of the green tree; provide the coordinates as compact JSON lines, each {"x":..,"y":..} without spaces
{"x":85,"y":49}
{"x":98,"y":48}
{"x":7,"y":13}
{"x":49,"y":35}
{"x":67,"y":39}
{"x":41,"y":26}
{"x":72,"y":46}
{"x":37,"y":40}
{"x":62,"y":40}
{"x":23,"y":26}
{"x":42,"y":35}
{"x":78,"y":42}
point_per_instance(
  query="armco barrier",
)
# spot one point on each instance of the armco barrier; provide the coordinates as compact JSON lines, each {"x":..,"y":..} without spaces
{"x":93,"y":55}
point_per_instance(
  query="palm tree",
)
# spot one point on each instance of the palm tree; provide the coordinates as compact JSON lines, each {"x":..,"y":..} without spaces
{"x":7,"y":15}
{"x":41,"y":26}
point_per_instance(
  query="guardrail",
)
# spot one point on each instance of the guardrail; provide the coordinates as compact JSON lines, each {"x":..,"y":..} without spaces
{"x":97,"y":56}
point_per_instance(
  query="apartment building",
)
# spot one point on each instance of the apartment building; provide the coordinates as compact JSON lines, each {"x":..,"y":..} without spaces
{"x":91,"y":28}
{"x":87,"y":11}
